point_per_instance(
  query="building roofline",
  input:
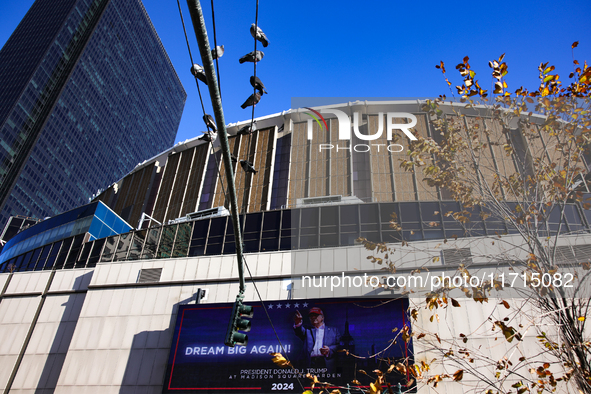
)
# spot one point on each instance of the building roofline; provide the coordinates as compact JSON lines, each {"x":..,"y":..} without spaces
{"x":412,"y":105}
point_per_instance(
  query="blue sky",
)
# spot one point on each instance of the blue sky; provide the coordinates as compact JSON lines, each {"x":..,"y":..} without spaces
{"x":361,"y":49}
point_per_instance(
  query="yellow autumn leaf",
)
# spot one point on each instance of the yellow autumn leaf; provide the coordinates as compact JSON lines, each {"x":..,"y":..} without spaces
{"x":401,"y":368}
{"x":280,"y":360}
{"x":313,"y":378}
{"x":375,"y":388}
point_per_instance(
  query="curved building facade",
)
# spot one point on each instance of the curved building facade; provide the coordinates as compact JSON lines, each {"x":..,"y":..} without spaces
{"x":294,"y":170}
{"x":109,"y":305}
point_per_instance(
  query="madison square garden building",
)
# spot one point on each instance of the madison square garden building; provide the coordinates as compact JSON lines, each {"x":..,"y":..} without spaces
{"x":133,"y":292}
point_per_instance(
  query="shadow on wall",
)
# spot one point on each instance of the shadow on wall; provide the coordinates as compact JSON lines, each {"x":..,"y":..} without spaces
{"x":148,"y":358}
{"x":63,"y":336}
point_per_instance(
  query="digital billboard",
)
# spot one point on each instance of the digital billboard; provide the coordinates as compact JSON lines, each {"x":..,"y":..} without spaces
{"x":332,"y":338}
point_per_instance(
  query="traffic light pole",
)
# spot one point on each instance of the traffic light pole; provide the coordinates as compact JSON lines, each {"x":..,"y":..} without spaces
{"x":216,"y":102}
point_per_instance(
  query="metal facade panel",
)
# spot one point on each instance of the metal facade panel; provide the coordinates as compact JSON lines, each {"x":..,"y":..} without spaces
{"x":260,"y":183}
{"x":425,"y":192}
{"x":180,"y":185}
{"x":6,"y":363}
{"x":219,"y":199}
{"x":43,"y":360}
{"x":71,"y":280}
{"x":141,"y":194}
{"x":382,"y":162}
{"x":340,"y":163}
{"x":166,"y":186}
{"x":403,"y":180}
{"x":319,"y":173}
{"x":298,"y":174}
{"x":106,"y":196}
{"x":195,"y":179}
{"x":503,"y":161}
{"x":243,"y":179}
{"x":128,"y":189}
{"x":22,"y":282}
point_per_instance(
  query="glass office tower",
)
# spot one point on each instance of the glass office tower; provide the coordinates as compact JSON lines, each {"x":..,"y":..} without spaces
{"x":88,"y":92}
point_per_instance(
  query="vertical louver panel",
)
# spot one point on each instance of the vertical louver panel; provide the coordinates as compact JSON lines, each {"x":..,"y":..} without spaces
{"x":180,"y":185}
{"x":259,"y":184}
{"x":456,"y":256}
{"x":149,"y":275}
{"x":195,"y":179}
{"x":166,"y":187}
{"x":298,"y":174}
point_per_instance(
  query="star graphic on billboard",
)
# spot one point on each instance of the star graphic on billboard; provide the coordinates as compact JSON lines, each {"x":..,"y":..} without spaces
{"x":279,"y":306}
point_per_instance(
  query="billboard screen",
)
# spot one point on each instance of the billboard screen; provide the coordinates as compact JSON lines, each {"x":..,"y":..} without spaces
{"x":313,"y":333}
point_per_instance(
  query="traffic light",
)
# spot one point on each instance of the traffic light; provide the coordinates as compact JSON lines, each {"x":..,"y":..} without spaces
{"x":238,"y":323}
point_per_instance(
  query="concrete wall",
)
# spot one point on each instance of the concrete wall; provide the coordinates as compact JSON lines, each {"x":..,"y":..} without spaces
{"x":100,"y":331}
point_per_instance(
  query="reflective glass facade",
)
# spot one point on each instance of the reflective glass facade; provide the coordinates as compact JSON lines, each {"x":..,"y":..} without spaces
{"x":326,"y":226}
{"x":88,"y":93}
{"x":14,"y":226}
{"x":92,"y":221}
